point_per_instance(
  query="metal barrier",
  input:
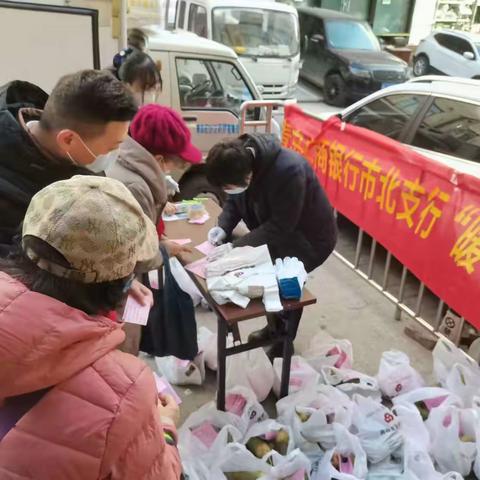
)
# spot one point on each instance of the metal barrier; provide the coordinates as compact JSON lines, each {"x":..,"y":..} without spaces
{"x":268,"y":105}
{"x":435,"y":325}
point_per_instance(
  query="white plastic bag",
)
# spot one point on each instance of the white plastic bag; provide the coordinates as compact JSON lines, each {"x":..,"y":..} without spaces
{"x":207,"y":342}
{"x":452,"y":431}
{"x":414,"y":432}
{"x":182,"y":372}
{"x":269,"y":435}
{"x":302,"y":375}
{"x":195,"y":469}
{"x":295,"y":466}
{"x":348,"y":456}
{"x":464,"y":381}
{"x":206,"y":432}
{"x":235,"y":458}
{"x":242,"y":402}
{"x":329,"y":353}
{"x":311,"y":415}
{"x":251,"y":369}
{"x":415,"y":465}
{"x":184,"y":281}
{"x":476,"y":408}
{"x":428,"y":398}
{"x":376,"y":427}
{"x":351,"y":382}
{"x":396,"y":375}
{"x":445,"y":355}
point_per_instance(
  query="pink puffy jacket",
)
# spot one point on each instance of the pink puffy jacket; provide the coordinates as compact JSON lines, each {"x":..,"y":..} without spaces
{"x":99,"y":421}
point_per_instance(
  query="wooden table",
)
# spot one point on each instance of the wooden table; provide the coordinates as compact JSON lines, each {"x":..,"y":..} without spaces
{"x":229,"y":315}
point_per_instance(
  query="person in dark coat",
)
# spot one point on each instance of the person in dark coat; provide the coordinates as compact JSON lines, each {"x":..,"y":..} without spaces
{"x":86,"y":117}
{"x":79,"y":131}
{"x":277,"y":194}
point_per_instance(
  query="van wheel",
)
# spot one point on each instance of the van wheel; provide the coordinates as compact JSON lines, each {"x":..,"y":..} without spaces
{"x":335,"y":90}
{"x":198,"y":186}
{"x":421,"y":66}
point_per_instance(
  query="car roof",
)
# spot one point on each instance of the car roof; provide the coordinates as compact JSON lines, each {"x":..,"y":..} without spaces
{"x":474,"y":37}
{"x":451,"y":87}
{"x":184,"y":42}
{"x":325,"y":13}
{"x":258,"y":4}
{"x":439,"y":85}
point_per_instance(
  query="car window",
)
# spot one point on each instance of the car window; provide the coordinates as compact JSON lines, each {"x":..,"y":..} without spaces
{"x":445,"y":40}
{"x":388,"y":115}
{"x":454,"y":43}
{"x":318,"y":26}
{"x":211,"y":85}
{"x":463,"y":46}
{"x":197,"y":20}
{"x":181,"y":14}
{"x":451,"y":127}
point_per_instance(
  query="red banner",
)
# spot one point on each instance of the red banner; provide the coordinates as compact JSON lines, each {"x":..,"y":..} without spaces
{"x":426,"y":214}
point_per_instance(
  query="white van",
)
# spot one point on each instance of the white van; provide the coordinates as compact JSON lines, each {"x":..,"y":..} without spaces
{"x":263,"y":33}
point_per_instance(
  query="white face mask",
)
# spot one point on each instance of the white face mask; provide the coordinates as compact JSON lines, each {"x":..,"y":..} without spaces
{"x":236,"y":191}
{"x":103,"y":162}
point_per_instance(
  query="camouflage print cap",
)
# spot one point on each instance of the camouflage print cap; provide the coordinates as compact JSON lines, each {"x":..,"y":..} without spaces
{"x":96,"y":224}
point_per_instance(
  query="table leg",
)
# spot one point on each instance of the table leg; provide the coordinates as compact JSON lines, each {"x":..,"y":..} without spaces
{"x":222,"y":333}
{"x":287,"y":354}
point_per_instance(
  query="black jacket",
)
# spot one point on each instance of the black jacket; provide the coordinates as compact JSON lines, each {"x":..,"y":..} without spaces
{"x":24,"y":170}
{"x":284,"y":207}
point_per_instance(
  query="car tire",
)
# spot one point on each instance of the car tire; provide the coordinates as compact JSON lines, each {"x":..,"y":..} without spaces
{"x":421,"y":65}
{"x":335,"y":90}
{"x":198,"y":186}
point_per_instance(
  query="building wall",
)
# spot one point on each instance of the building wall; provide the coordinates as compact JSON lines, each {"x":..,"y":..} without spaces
{"x":422,"y":20}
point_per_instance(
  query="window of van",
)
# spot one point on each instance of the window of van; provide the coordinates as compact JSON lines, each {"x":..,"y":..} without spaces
{"x":181,"y":14}
{"x":197,"y":20}
{"x":255,"y":32}
{"x":211,"y":85}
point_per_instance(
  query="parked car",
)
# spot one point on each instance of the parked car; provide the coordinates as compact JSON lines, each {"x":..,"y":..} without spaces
{"x":342,"y":55}
{"x":448,"y":52}
{"x":438,"y":116}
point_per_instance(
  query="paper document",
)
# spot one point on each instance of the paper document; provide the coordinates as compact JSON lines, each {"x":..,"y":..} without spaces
{"x":153,"y":279}
{"x":135,"y":313}
{"x":164,"y":387}
{"x":181,"y":241}
{"x":201,"y":220}
{"x":198,"y":267}
{"x":206,"y":248}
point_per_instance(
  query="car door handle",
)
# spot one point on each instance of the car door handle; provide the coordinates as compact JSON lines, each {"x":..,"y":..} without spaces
{"x":190,"y":119}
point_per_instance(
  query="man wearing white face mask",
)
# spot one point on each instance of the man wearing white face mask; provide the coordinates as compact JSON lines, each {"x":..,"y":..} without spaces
{"x":85,"y":118}
{"x":277,"y":194}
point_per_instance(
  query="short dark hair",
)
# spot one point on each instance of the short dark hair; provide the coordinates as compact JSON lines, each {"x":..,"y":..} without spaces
{"x":138,"y":66}
{"x":229,"y":163}
{"x":86,"y":101}
{"x":137,"y":38}
{"x":91,"y":298}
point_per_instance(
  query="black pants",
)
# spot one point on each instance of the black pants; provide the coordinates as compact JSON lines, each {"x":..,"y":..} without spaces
{"x":286,"y":321}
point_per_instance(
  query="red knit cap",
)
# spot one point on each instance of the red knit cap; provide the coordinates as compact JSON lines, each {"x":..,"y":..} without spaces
{"x":162,"y":131}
